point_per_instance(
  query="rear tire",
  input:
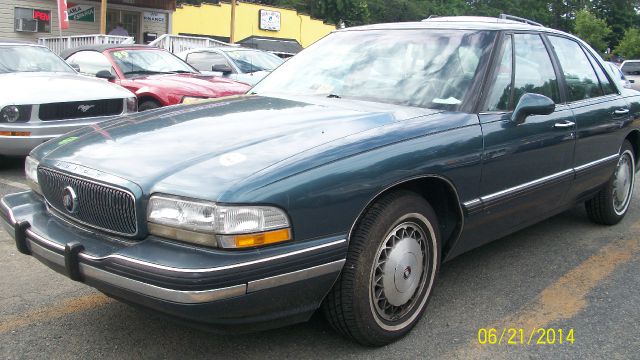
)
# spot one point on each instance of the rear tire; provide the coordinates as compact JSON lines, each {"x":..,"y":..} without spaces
{"x":610,"y":205}
{"x":388,"y":277}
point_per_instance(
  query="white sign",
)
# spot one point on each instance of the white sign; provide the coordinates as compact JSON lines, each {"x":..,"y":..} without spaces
{"x":270,"y":20}
{"x":157,"y":17}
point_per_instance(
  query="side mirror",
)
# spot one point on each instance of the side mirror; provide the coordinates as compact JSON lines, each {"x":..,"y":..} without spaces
{"x":532,"y":104}
{"x":105,"y":74}
{"x":222,"y":68}
{"x":75,"y":67}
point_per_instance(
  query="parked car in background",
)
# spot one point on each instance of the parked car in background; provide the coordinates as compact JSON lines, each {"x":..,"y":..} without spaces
{"x":619,"y":76}
{"x":631,"y":70}
{"x":157,"y":77}
{"x":246,"y":65}
{"x":340,"y":182}
{"x":42,"y":97}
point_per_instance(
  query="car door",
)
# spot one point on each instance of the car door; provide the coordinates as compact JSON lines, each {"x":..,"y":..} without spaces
{"x":526,"y":167}
{"x":599,"y":112}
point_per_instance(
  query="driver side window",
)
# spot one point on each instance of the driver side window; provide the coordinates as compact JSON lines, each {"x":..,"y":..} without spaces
{"x":534,"y":73}
{"x":90,"y":62}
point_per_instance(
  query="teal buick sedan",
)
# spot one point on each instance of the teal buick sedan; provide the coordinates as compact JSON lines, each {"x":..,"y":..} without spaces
{"x":341,"y":182}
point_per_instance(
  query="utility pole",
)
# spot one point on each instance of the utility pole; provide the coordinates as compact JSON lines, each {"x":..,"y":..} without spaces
{"x":103,"y":17}
{"x":232,"y":38}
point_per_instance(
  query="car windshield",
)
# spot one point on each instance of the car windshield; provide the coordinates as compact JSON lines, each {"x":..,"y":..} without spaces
{"x":631,"y":68}
{"x":141,"y":62}
{"x":249,"y":61}
{"x":425,"y":68}
{"x":23,"y":58}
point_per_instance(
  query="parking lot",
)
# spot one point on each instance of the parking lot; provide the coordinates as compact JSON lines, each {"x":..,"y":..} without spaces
{"x":564,"y":273}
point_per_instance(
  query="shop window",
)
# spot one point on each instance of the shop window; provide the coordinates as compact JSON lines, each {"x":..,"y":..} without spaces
{"x":32,"y":20}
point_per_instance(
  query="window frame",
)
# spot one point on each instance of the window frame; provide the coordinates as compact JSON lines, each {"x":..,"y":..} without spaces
{"x":26,"y":7}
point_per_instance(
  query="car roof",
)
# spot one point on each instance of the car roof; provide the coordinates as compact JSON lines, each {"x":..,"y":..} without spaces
{"x":461,"y":23}
{"x":17,"y":42}
{"x":102,"y":47}
{"x":222,"y":48}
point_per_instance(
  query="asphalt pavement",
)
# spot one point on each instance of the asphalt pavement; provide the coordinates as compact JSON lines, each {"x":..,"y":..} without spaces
{"x":506,"y":300}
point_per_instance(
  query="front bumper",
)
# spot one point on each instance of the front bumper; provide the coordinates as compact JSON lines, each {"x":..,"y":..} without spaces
{"x":40,"y":132}
{"x":229,"y":291}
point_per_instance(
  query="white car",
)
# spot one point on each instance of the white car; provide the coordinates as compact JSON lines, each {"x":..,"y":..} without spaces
{"x":631,"y":70}
{"x":619,"y":76}
{"x":42,"y":97}
{"x":240,"y":64}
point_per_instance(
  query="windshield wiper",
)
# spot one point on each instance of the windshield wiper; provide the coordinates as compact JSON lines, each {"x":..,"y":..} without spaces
{"x":144,"y":72}
{"x":181,"y":72}
{"x":334,"y":96}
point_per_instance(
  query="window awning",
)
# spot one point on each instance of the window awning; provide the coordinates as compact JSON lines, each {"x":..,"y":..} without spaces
{"x":154,"y":4}
{"x":281,"y":46}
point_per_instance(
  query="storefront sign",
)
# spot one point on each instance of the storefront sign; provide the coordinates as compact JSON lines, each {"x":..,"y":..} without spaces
{"x":80,"y":12}
{"x":156,"y":17}
{"x":270,"y":20}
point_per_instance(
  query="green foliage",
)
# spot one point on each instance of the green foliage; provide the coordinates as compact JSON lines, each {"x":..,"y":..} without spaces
{"x":592,"y":30}
{"x":629,"y":46}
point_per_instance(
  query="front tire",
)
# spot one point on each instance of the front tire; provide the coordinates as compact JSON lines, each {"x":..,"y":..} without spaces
{"x":611,"y":203}
{"x":392,"y":263}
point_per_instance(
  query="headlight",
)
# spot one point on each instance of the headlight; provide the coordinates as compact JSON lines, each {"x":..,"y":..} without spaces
{"x":10,"y":114}
{"x":31,"y":171}
{"x":132,"y":104}
{"x":193,"y":100}
{"x":211,"y":224}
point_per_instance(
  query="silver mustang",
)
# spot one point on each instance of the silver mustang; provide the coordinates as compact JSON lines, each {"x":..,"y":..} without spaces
{"x":41,"y":97}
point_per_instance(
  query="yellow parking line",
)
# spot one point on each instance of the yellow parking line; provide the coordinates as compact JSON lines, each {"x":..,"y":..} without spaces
{"x":563,"y":299}
{"x":53,"y":312}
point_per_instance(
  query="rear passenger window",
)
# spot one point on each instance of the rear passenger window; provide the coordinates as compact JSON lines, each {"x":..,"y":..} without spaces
{"x":205,"y":60}
{"x":605,"y":83}
{"x":581,"y":79}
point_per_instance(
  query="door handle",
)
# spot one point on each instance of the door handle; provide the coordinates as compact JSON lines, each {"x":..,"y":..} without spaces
{"x":621,"y":111}
{"x":564,"y":125}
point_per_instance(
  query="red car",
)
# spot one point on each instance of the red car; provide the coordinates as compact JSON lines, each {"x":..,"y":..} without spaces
{"x":157,"y":77}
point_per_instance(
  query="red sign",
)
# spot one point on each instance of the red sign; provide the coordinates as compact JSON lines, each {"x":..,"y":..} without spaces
{"x":63,"y":14}
{"x":41,"y":15}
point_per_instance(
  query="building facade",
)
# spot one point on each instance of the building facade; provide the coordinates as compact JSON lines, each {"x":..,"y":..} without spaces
{"x":30,"y":20}
{"x":253,"y":21}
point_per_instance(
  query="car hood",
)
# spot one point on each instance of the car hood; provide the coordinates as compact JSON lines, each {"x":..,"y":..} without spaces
{"x":43,"y":87}
{"x":201,"y":150}
{"x":192,"y":84}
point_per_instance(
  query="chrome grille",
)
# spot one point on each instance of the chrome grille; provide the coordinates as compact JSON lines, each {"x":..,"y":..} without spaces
{"x":99,"y":206}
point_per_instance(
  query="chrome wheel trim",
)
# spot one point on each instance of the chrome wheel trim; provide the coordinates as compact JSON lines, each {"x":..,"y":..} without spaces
{"x":426,"y":278}
{"x":623,"y":181}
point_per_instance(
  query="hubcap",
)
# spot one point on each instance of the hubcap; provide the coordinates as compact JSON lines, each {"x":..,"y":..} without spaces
{"x":398,"y":274}
{"x":622,"y":184}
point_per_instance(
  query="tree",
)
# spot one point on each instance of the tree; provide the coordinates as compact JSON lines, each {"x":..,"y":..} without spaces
{"x":629,"y":46}
{"x":349,"y":12}
{"x":592,"y":30}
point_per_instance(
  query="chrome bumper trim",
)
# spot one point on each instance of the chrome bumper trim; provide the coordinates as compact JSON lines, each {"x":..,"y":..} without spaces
{"x":212,"y":269}
{"x":295,"y":276}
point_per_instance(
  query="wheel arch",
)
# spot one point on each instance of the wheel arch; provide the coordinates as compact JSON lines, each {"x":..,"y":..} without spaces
{"x":440,"y":193}
{"x":634,"y":139}
{"x":149,"y":97}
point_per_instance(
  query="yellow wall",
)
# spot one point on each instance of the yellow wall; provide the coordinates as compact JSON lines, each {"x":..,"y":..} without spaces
{"x":214,"y":19}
